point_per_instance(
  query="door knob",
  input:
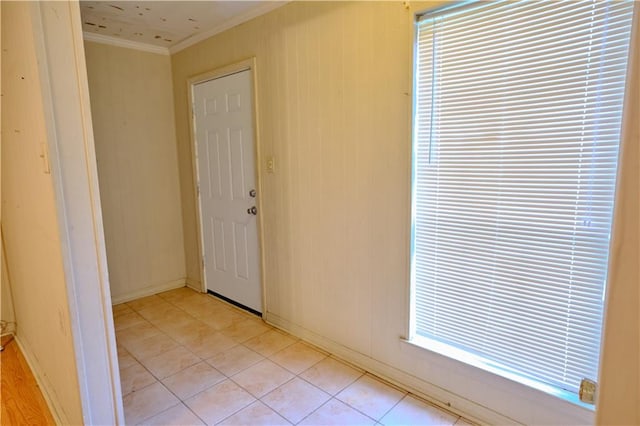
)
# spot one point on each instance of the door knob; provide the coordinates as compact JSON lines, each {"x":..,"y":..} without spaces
{"x":252,"y":211}
{"x":252,"y":193}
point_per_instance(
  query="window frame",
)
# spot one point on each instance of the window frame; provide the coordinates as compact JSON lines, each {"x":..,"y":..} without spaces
{"x":430,"y":351}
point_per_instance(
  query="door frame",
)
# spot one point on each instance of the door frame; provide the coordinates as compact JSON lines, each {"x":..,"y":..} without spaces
{"x":62,"y":67}
{"x":248,"y":64}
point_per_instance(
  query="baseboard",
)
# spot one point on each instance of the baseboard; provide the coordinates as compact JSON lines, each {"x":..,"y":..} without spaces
{"x":47,"y":389}
{"x":425,"y":390}
{"x":194,"y":284}
{"x":148,"y":291}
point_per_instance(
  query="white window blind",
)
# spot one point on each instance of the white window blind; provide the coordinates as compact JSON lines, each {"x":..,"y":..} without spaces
{"x":516,"y":135}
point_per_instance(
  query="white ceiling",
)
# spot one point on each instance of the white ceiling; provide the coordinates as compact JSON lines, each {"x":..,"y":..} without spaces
{"x":166,"y":24}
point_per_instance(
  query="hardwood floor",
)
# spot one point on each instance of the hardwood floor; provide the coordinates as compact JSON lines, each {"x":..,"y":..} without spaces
{"x":21,"y":400}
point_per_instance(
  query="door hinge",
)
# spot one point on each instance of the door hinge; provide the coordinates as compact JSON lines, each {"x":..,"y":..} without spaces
{"x":198,"y":189}
{"x":203,"y":263}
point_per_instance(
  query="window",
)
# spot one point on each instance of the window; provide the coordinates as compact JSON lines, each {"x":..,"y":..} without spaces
{"x":517,"y":121}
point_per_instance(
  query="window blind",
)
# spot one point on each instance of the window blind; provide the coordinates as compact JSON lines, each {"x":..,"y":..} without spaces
{"x":517,"y":121}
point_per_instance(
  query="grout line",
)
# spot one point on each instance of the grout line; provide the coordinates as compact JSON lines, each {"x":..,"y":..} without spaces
{"x":158,"y":413}
{"x":236,"y":412}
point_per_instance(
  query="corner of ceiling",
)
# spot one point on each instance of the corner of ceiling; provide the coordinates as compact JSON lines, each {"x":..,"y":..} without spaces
{"x":119,"y":42}
{"x":267,"y":7}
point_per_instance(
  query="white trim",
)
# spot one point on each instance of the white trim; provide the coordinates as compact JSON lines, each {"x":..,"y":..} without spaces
{"x":127,"y":44}
{"x":65,"y":91}
{"x":48,"y":391}
{"x":148,"y":291}
{"x":266,"y":7}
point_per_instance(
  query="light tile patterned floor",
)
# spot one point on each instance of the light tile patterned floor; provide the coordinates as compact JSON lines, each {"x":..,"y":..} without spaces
{"x":190,"y":359}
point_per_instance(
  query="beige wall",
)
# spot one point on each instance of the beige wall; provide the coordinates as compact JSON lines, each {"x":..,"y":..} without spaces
{"x":334,"y":88}
{"x":334,"y":83}
{"x":29,"y":220}
{"x":133,"y":121}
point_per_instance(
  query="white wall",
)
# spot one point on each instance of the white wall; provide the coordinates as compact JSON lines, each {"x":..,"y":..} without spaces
{"x":335,"y":94}
{"x":30,"y":223}
{"x":133,"y":121}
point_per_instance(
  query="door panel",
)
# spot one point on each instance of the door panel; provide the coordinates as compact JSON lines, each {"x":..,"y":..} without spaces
{"x":225,"y":156}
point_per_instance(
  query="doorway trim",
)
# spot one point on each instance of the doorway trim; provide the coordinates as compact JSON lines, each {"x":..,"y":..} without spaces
{"x":69,"y":129}
{"x":223,"y":71}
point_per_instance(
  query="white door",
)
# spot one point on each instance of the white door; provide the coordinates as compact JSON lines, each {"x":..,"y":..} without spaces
{"x":227,"y":187}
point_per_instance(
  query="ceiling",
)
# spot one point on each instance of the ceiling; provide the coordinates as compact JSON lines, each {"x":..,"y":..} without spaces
{"x":166,"y":24}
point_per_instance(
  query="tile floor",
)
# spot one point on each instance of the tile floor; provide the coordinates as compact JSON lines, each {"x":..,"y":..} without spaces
{"x":190,"y":359}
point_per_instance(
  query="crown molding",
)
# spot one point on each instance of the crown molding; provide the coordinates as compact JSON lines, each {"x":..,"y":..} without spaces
{"x":267,"y":7}
{"x":119,"y":42}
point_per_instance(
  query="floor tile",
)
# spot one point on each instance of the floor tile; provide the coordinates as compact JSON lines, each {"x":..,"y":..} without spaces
{"x":204,"y":307}
{"x":168,"y":335}
{"x":297,"y":357}
{"x":160,"y":311}
{"x":124,"y":321}
{"x":209,"y":345}
{"x":222,"y":318}
{"x":173,"y":321}
{"x":331,"y":375}
{"x":262,"y":378}
{"x":121,"y":309}
{"x":151,"y":346}
{"x":296,"y":399}
{"x":269,"y":343}
{"x":188,"y":302}
{"x":137,"y":332}
{"x":234,"y":360}
{"x":190,"y":331}
{"x":134,"y":378}
{"x":370,"y":396}
{"x":337,"y":413}
{"x":245,"y":329}
{"x":145,"y":302}
{"x":178,"y":415}
{"x":170,"y":362}
{"x":147,"y":402}
{"x":412,"y":411}
{"x":256,"y":414}
{"x":125,"y":360}
{"x":177,"y":294}
{"x":193,"y":380}
{"x":199,"y":310}
{"x":121,"y":349}
{"x":219,"y":402}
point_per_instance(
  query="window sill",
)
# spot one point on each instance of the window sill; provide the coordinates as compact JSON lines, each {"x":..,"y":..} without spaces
{"x":442,"y":349}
